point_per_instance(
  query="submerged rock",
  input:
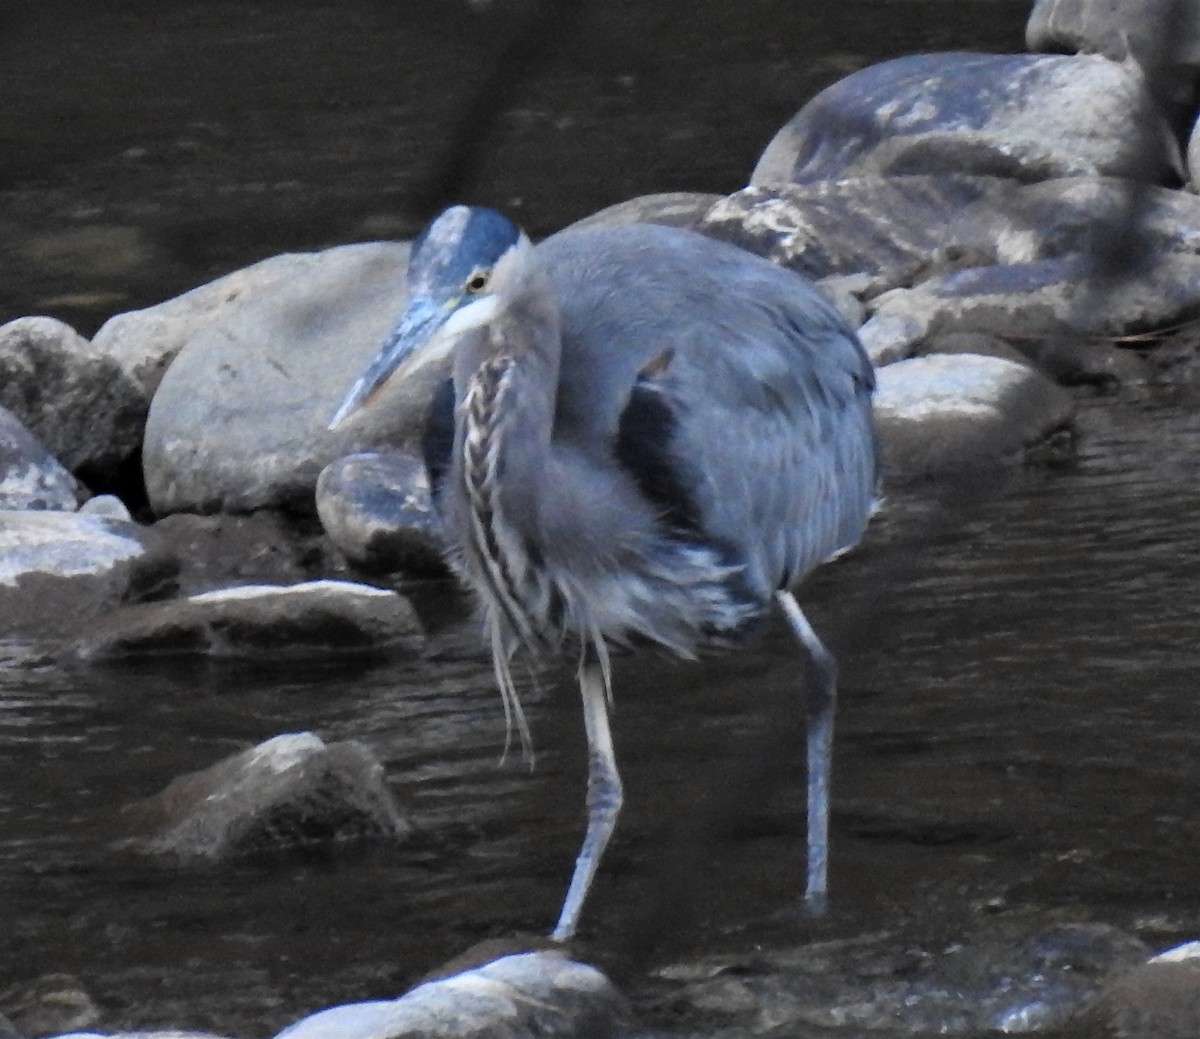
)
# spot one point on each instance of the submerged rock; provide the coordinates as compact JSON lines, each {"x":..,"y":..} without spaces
{"x":239,"y":420}
{"x":946,"y":413}
{"x":294,"y":790}
{"x":1024,"y":116}
{"x":377,"y":508}
{"x":536,"y":994}
{"x":318,"y":616}
{"x":59,"y":570}
{"x":30,"y":476}
{"x":72,"y":396}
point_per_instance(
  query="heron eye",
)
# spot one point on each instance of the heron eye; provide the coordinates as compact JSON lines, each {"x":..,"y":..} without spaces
{"x":477,"y":282}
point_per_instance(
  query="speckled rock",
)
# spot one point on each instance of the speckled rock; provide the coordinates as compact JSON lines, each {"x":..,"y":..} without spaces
{"x":1024,"y":116}
{"x":318,"y":617}
{"x":886,"y":228}
{"x":672,"y":208}
{"x":536,"y":994}
{"x":946,"y":413}
{"x":239,"y":421}
{"x":30,"y":476}
{"x":1032,"y":300}
{"x":72,"y":396}
{"x":59,"y":570}
{"x":292,"y":791}
{"x":377,"y":508}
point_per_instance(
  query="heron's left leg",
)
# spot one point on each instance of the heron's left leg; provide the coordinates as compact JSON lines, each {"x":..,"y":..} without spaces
{"x":820,"y":702}
{"x":604,"y":795}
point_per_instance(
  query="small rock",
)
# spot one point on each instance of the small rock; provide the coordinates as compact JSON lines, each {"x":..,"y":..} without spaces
{"x":1158,"y":1000}
{"x":377,"y":509}
{"x":536,"y":994}
{"x":946,"y":413}
{"x":49,"y":1004}
{"x":1025,"y":116}
{"x":107,"y":506}
{"x":319,"y":617}
{"x":30,"y":476}
{"x":59,"y":569}
{"x":972,"y":343}
{"x":672,"y":208}
{"x":73,"y":397}
{"x":292,"y":791}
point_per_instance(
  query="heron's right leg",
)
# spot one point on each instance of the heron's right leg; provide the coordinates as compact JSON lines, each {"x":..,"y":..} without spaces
{"x":820,"y":701}
{"x":604,"y":795}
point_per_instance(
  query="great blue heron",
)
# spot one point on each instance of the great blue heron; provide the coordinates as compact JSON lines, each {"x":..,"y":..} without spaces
{"x":649,"y":438}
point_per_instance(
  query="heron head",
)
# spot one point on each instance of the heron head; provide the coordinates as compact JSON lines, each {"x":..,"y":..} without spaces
{"x":456,"y":267}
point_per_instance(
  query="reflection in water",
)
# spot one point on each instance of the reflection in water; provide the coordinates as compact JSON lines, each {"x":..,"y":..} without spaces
{"x":1017,"y":729}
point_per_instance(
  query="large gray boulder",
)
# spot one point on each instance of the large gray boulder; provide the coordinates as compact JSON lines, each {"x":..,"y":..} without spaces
{"x":1025,"y":116}
{"x":239,"y":420}
{"x":292,"y":791}
{"x":1162,"y":36}
{"x":318,"y":617}
{"x":60,"y":569}
{"x":947,"y":413}
{"x":30,"y":476}
{"x":71,"y":395}
{"x":534,"y":994}
{"x":670,"y":208}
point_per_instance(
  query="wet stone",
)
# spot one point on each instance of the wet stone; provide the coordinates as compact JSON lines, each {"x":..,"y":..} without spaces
{"x":946,"y":413}
{"x":59,"y":570}
{"x":30,"y":476}
{"x":48,"y":1004}
{"x":540,"y":994}
{"x":317,"y":616}
{"x":293,"y":791}
{"x":1024,"y":116}
{"x":377,"y":508}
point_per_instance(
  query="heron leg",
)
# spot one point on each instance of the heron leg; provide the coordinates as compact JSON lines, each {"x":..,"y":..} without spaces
{"x":820,"y":702}
{"x":604,"y":795}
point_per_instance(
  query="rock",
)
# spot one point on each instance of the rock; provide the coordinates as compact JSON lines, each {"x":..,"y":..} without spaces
{"x":540,"y":994}
{"x":672,"y":208}
{"x":1033,"y":300}
{"x":947,"y":413}
{"x":73,"y":397}
{"x":49,"y":1004}
{"x":266,"y":547}
{"x":30,"y":476}
{"x":239,"y":420}
{"x":292,"y":791}
{"x":149,"y":1033}
{"x":377,"y":508}
{"x":1163,"y":36}
{"x":318,"y":617}
{"x":107,"y":506}
{"x":972,"y":343}
{"x":1025,"y":116}
{"x":1159,"y":999}
{"x":58,"y":569}
{"x":884,"y":227}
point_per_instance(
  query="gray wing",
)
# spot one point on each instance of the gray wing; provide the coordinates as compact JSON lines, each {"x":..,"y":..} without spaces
{"x":758,"y":423}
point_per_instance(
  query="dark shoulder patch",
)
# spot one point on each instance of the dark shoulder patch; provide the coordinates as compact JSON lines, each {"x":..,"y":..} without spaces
{"x":645,"y":435}
{"x":438,"y":442}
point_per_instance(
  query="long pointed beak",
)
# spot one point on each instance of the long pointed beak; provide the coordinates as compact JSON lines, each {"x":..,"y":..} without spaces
{"x":417,"y":327}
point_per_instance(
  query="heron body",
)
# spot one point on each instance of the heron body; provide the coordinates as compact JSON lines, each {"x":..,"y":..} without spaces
{"x":651,"y":437}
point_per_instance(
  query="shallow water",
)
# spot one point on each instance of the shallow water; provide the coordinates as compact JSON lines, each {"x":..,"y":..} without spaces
{"x":1018,"y":721}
